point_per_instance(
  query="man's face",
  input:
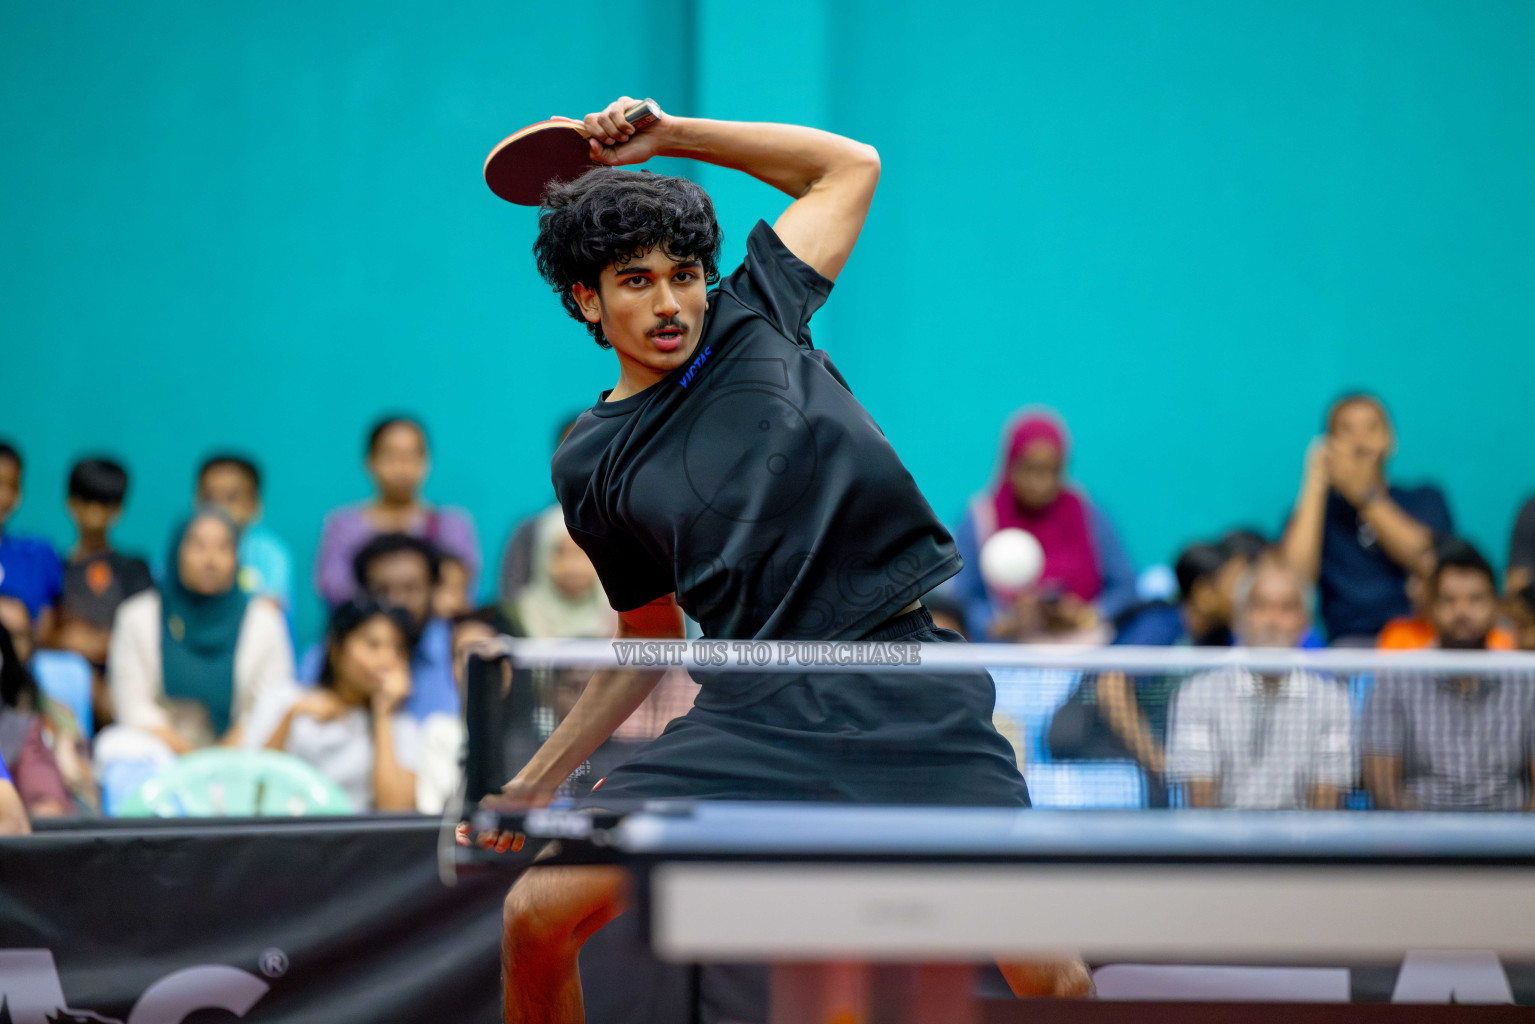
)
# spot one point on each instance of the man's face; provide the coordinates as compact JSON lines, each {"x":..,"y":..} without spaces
{"x":1036,"y":474}
{"x":398,"y":462}
{"x":403,"y":579}
{"x":1463,"y":608}
{"x":17,"y":621}
{"x":651,"y":308}
{"x":92,"y":516}
{"x":10,"y":487}
{"x":230,"y":489}
{"x":1275,"y":615}
{"x":1361,"y":428}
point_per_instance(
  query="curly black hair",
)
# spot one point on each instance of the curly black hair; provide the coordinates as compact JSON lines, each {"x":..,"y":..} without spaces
{"x":608,"y":216}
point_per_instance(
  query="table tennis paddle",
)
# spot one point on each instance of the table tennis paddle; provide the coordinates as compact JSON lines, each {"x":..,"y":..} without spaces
{"x":524,"y":164}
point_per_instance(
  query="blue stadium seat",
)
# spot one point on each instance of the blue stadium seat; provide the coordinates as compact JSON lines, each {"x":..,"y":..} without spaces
{"x":1157,"y":583}
{"x":1359,"y":687}
{"x":1029,"y":696}
{"x":1087,"y":785}
{"x":65,"y":677}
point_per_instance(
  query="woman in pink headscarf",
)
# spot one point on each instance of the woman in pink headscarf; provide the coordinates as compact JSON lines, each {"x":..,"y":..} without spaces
{"x":1087,"y":578}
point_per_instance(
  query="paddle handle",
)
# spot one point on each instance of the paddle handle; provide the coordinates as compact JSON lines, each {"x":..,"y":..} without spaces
{"x":643,"y":114}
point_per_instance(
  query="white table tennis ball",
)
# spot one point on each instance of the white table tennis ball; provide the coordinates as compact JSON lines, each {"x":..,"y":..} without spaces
{"x":1011,"y":559}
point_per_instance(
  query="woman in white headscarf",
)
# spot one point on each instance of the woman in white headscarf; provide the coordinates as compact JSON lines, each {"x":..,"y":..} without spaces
{"x":564,"y":597}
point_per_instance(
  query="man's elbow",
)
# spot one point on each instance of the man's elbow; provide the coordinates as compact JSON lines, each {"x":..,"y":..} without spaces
{"x":864,"y":161}
{"x":868,"y":157}
{"x":859,"y":162}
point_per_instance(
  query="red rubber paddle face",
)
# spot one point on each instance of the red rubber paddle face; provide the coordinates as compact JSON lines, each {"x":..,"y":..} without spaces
{"x":523,"y":166}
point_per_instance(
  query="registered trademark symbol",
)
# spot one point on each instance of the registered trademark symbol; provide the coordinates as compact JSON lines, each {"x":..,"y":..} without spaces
{"x":273,"y":963}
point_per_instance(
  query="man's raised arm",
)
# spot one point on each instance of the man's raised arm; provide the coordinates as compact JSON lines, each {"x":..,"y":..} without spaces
{"x":831,"y":178}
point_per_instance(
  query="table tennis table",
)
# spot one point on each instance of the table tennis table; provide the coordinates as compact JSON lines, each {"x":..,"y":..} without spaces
{"x":824,"y":892}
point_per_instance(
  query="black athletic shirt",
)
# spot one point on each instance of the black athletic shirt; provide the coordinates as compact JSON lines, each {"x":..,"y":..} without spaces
{"x":750,"y":481}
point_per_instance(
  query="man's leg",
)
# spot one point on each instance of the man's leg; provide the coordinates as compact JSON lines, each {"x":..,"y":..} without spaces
{"x":549,"y":913}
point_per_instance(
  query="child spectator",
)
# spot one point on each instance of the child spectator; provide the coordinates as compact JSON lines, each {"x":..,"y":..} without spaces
{"x":97,"y":578}
{"x":352,"y":726}
{"x":398,"y":462}
{"x":451,"y":599}
{"x":233,"y":483}
{"x":29,"y":569}
{"x":23,"y":743}
{"x":189,"y":660}
{"x":61,"y":729}
{"x":403,"y":572}
{"x":1202,"y":615}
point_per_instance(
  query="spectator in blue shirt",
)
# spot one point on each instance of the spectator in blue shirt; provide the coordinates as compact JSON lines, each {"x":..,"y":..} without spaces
{"x":1202,"y":616}
{"x":29,"y":568}
{"x":233,"y":482}
{"x":1355,"y":534}
{"x":403,"y":571}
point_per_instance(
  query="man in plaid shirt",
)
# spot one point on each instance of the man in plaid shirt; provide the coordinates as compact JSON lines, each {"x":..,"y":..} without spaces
{"x":1440,"y":742}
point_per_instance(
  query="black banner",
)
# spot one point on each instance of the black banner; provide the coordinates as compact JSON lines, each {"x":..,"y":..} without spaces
{"x":344,"y":920}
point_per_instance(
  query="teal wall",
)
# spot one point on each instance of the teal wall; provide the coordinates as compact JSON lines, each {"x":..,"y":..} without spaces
{"x":1185,"y":225}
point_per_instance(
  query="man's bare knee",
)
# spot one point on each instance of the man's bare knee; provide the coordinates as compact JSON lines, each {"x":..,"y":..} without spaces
{"x":552,"y":908}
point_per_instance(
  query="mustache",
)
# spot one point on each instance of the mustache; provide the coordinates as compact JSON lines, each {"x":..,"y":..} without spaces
{"x":671,"y":322}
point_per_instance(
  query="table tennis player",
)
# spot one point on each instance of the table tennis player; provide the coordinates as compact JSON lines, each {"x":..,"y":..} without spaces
{"x":730,"y":472}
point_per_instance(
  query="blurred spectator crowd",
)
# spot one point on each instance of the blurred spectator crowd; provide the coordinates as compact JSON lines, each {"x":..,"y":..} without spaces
{"x":116,"y":666}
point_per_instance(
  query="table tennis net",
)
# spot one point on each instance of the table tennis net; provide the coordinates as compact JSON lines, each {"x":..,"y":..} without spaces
{"x":1091,"y":728}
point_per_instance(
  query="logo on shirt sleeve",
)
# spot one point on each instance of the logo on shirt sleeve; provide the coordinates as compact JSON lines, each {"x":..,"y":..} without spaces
{"x":692,"y":370}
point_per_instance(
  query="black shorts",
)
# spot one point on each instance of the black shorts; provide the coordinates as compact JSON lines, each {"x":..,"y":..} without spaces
{"x":904,"y":737}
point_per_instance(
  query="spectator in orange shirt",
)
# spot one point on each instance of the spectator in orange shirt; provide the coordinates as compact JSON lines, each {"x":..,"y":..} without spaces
{"x":1416,"y":632}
